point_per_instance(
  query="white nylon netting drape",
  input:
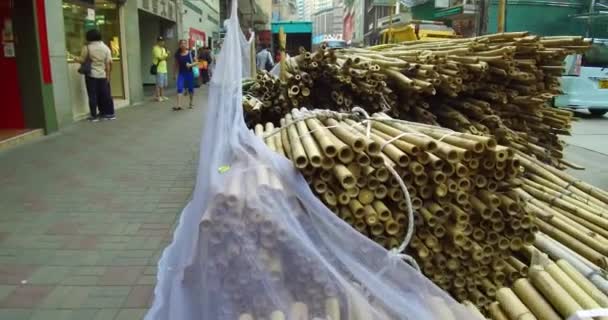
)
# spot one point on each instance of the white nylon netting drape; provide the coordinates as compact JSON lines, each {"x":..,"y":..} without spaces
{"x":255,"y":243}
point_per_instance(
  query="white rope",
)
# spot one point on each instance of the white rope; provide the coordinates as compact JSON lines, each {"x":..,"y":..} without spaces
{"x":368,"y":131}
{"x":393,"y":139}
{"x":451,"y":133}
{"x":397,"y":253}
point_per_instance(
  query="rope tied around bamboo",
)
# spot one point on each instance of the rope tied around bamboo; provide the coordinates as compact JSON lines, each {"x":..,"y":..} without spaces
{"x":466,"y":223}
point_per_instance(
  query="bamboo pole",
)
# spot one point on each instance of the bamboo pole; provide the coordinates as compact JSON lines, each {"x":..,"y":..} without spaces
{"x":583,"y":282}
{"x":551,"y":290}
{"x":587,"y":268}
{"x":534,"y":300}
{"x":513,"y":307}
{"x":576,"y":292}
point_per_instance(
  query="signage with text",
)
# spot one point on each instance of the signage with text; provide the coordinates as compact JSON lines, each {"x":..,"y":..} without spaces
{"x":163,"y":8}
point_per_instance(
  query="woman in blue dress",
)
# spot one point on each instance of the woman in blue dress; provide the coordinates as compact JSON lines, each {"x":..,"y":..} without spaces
{"x":184,"y":61}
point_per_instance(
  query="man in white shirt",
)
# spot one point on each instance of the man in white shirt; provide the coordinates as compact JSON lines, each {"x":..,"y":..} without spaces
{"x":263,"y":59}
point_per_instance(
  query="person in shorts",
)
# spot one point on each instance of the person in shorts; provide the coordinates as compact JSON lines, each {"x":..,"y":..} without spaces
{"x":159,"y":59}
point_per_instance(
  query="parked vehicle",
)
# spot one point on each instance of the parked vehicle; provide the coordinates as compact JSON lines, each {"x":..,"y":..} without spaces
{"x":335,"y":44}
{"x":417,"y":30}
{"x":585,"y":81}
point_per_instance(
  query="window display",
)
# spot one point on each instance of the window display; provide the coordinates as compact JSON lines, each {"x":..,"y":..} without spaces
{"x":81,"y":16}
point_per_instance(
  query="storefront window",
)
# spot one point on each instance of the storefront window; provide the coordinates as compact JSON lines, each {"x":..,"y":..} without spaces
{"x":81,"y":16}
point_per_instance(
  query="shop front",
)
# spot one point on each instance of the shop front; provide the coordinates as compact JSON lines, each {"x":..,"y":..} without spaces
{"x":79,"y":17}
{"x":12,"y":115}
{"x":197,"y":38}
{"x":156,"y":18}
{"x":26,"y":82}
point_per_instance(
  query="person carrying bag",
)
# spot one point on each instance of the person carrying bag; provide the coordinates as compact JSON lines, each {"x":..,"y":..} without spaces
{"x":86,"y":65}
{"x":159,"y":68}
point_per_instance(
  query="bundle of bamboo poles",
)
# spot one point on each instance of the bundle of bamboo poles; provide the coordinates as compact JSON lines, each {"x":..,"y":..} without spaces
{"x":570,"y":211}
{"x":469,"y":219}
{"x":553,"y":291}
{"x":498,"y":84}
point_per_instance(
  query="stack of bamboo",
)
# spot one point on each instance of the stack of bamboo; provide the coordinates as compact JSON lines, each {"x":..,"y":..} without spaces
{"x":480,"y":192}
{"x":554,"y":291}
{"x":496,"y":84}
{"x":475,"y":213}
{"x":469,"y":221}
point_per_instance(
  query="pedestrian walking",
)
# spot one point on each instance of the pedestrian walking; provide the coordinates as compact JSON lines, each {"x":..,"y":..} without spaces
{"x":159,"y":68}
{"x":263,"y":59}
{"x":185,"y":60}
{"x":204,"y":61}
{"x":96,"y":65}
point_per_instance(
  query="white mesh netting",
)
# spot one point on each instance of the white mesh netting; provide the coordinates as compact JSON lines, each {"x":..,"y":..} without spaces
{"x":255,"y":243}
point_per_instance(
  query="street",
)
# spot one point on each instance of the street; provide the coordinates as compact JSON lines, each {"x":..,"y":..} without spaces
{"x":588,"y":147}
{"x":87,"y":212}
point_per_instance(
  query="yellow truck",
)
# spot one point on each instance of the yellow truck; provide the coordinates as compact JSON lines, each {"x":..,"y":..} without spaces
{"x":417,"y":30}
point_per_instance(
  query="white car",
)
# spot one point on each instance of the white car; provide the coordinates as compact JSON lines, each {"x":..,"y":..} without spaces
{"x":585,"y":81}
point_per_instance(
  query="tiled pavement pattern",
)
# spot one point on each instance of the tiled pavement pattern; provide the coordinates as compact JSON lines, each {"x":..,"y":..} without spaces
{"x":85,"y":214}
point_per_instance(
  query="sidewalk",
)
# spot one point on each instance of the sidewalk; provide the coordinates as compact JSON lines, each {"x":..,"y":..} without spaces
{"x":85,"y":214}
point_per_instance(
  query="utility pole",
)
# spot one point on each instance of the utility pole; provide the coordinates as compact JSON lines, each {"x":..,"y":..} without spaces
{"x":502,"y":16}
{"x":481,"y":21}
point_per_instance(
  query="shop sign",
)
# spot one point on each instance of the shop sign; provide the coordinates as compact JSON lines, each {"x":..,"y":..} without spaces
{"x":383,"y":3}
{"x":442,"y":3}
{"x":448,"y":12}
{"x":163,"y":8}
{"x":8,"y":38}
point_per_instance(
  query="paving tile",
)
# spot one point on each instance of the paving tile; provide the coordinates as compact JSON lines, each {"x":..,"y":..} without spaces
{"x":28,"y":296}
{"x":49,"y":275}
{"x":15,"y":314}
{"x":131,"y":314}
{"x":52,"y":315}
{"x":106,"y":314}
{"x":80,"y":280}
{"x":147,"y":280}
{"x":82,"y":243}
{"x":5,"y":291}
{"x":15,"y":273}
{"x":140,"y":297}
{"x":83,"y":314}
{"x":120,"y":275}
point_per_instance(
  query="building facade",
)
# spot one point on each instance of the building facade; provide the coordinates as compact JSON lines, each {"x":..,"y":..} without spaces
{"x":284,"y":10}
{"x":328,"y":21}
{"x":308,"y":9}
{"x":375,"y":10}
{"x":300,"y":6}
{"x":41,"y":39}
{"x":200,"y":21}
{"x":352,"y":21}
{"x":26,"y":64}
{"x":67,"y":22}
